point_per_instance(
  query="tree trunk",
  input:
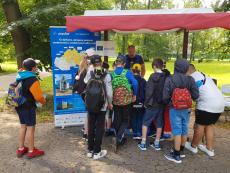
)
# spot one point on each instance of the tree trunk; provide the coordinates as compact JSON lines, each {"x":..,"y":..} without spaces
{"x":192,"y":48}
{"x":185,"y":45}
{"x":21,"y":38}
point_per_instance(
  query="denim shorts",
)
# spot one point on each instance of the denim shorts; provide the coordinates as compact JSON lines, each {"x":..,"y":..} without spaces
{"x":153,"y":114}
{"x":27,"y":116}
{"x":179,"y":120}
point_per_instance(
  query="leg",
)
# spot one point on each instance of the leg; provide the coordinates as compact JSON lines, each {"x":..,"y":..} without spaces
{"x":198,"y":135}
{"x":209,"y":136}
{"x":134,"y":121}
{"x":30,"y":137}
{"x":91,"y":130}
{"x":117,"y":118}
{"x":139,"y":122}
{"x":100,"y":121}
{"x":177,"y":142}
{"x":86,"y":126}
{"x":22,"y":135}
{"x":125,"y":117}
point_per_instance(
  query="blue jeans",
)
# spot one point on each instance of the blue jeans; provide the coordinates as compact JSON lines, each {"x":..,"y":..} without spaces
{"x":179,"y":120}
{"x":153,"y":114}
{"x":137,"y":115}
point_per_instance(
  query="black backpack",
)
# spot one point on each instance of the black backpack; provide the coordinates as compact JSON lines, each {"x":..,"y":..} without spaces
{"x":95,"y":93}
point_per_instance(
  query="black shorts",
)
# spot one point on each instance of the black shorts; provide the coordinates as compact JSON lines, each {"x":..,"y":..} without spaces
{"x":206,"y":118}
{"x":27,"y":116}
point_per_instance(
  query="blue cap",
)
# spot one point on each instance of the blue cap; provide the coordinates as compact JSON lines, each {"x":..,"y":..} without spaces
{"x":121,"y":58}
{"x":96,"y":59}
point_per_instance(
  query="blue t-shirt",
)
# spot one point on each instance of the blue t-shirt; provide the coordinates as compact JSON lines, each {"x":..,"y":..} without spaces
{"x":131,"y":61}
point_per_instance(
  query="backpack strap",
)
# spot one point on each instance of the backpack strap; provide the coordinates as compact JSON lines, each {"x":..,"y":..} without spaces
{"x":204,"y":80}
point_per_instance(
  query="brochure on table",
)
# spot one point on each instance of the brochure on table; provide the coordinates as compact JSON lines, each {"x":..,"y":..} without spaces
{"x":67,"y":50}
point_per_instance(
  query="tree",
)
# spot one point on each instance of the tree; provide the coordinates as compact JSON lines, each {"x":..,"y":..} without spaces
{"x":20,"y":36}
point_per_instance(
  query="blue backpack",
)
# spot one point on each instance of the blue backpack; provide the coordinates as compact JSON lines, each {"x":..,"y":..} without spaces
{"x":15,"y":97}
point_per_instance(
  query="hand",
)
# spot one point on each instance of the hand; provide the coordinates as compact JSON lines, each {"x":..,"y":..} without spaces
{"x":110,"y":106}
{"x":134,"y":98}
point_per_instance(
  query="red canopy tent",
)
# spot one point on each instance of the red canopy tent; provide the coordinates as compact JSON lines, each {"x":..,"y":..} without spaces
{"x":144,"y":23}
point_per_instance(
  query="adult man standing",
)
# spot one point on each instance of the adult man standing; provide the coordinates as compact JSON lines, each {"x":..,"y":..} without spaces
{"x":133,"y":58}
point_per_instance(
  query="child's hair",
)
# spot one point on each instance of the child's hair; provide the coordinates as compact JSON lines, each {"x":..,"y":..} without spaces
{"x":28,"y":64}
{"x":158,"y":63}
{"x":105,"y":65}
{"x":83,"y":65}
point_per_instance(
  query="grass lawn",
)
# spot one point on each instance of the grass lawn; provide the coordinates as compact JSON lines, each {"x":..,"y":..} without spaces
{"x":8,"y":67}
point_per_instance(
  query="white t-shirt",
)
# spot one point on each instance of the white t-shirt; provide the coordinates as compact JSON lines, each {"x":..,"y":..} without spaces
{"x":210,"y":97}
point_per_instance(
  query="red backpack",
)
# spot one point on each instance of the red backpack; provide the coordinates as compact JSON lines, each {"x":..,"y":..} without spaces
{"x":181,"y":98}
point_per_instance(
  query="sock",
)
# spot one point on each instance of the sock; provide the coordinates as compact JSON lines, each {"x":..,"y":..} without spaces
{"x":177,"y":153}
{"x":156,"y":142}
{"x":181,"y":148}
{"x":143,"y":141}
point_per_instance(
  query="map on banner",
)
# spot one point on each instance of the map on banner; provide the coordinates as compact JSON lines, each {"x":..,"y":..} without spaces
{"x":67,"y":51}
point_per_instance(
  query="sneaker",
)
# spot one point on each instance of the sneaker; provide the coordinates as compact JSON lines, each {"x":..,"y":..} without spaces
{"x":20,"y":153}
{"x":136,"y":137}
{"x":182,"y":155}
{"x":35,"y":153}
{"x":142,"y":147}
{"x":189,"y":147}
{"x":167,"y":136}
{"x":172,"y":157}
{"x":157,"y":147}
{"x":89,"y":154}
{"x":100,"y":154}
{"x":207,"y":151}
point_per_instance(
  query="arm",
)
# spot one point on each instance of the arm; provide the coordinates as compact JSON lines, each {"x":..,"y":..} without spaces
{"x":36,"y":91}
{"x":132,"y":81}
{"x":109,"y":90}
{"x":194,"y":89}
{"x":143,"y":70}
{"x":149,"y":90}
{"x":167,"y":91}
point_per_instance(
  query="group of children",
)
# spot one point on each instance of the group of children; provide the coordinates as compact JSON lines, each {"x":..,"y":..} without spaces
{"x":163,"y":102}
{"x":133,"y":103}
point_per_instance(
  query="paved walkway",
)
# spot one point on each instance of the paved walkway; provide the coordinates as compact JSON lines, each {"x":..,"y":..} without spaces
{"x":65,"y":153}
{"x":5,"y":80}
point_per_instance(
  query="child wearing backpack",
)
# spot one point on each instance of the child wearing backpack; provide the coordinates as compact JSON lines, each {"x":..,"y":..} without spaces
{"x":154,"y":105}
{"x":179,"y":91}
{"x":98,"y":97}
{"x":125,"y":88}
{"x":138,"y":109}
{"x":32,"y":93}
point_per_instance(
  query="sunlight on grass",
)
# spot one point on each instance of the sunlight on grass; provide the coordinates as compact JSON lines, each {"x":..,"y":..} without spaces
{"x":9,"y":67}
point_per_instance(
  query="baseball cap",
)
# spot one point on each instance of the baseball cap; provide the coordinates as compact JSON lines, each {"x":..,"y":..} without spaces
{"x":29,"y":63}
{"x":121,"y":58}
{"x":90,"y":52}
{"x":96,"y":59}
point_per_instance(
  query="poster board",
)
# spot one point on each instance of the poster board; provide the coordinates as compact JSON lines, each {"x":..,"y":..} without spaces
{"x":67,"y":51}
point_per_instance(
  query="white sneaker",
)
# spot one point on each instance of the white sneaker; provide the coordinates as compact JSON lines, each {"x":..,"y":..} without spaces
{"x":100,"y":154}
{"x":89,"y":154}
{"x":207,"y":151}
{"x":189,"y":147}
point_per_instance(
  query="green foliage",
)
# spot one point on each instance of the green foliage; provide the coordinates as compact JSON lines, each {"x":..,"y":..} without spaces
{"x":38,"y":15}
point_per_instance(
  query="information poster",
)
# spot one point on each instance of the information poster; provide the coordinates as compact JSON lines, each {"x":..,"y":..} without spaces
{"x":67,"y":51}
{"x":106,"y":48}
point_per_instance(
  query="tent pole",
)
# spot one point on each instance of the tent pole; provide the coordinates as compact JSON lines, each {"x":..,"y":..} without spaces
{"x":106,"y":38}
{"x":185,"y":44}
